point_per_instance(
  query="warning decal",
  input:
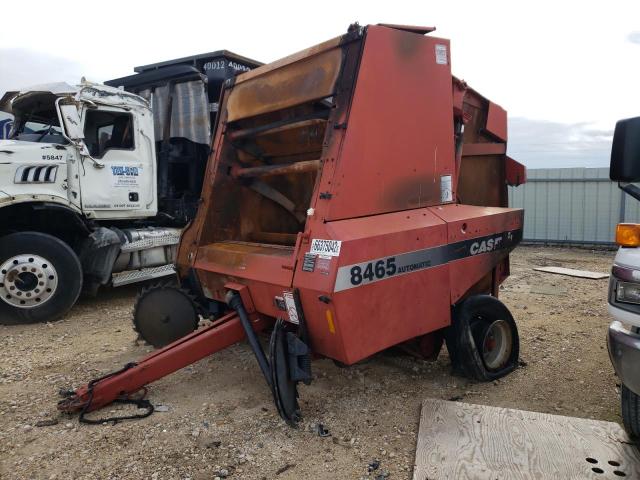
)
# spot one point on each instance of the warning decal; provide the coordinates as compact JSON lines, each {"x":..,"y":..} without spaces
{"x":441,"y":54}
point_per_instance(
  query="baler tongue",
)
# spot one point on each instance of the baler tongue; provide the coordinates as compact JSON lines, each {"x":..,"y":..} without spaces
{"x":125,"y":384}
{"x":289,"y":355}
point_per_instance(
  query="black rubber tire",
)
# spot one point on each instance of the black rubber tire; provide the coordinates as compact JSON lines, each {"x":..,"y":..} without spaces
{"x":285,"y":390}
{"x":62,"y":258}
{"x":630,"y":412}
{"x":469,"y":318}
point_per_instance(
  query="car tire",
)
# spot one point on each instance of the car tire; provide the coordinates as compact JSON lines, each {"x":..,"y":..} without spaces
{"x":40,"y":278}
{"x":483,"y":341}
{"x":630,"y":411}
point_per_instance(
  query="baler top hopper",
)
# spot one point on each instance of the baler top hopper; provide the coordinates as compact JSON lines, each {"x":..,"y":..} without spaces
{"x":355,"y":199}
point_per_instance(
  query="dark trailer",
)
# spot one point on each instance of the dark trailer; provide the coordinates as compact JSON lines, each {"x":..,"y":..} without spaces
{"x":184,"y":95}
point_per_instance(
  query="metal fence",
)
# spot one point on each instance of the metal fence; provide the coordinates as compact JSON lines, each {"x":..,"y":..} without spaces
{"x":572,"y":205}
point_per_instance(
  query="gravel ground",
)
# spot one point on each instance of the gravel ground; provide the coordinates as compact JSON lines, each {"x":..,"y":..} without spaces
{"x":220,"y":420}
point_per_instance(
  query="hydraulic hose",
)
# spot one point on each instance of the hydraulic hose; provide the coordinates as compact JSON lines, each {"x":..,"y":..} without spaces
{"x":235,"y":301}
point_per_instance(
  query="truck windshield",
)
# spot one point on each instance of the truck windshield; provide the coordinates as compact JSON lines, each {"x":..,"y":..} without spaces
{"x":36,"y":119}
{"x":38,"y":129}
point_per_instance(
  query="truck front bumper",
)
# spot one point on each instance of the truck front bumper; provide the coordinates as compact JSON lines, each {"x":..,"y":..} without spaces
{"x":624,"y":351}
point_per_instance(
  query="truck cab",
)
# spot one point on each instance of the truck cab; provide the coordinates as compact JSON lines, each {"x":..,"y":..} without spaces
{"x":88,"y":148}
{"x":97,"y":181}
{"x":624,"y":286}
{"x":78,"y":191}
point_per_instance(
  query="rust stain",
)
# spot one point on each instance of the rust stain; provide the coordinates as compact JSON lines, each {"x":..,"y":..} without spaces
{"x":293,"y":84}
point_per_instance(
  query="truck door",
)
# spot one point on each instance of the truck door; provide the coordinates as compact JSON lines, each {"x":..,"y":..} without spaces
{"x":120,"y":184}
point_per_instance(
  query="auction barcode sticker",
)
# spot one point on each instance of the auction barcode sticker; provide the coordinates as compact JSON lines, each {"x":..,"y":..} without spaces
{"x":325,"y":247}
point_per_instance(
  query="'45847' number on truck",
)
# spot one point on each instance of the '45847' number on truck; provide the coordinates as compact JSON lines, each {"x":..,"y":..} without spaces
{"x":378,"y":270}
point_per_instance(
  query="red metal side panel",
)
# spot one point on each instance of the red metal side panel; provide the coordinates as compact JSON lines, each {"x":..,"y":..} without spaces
{"x":382,"y":315}
{"x":466,"y":222}
{"x":497,"y":121}
{"x":399,"y":138}
{"x":252,"y":262}
{"x":515,"y":172}
{"x":371,"y":317}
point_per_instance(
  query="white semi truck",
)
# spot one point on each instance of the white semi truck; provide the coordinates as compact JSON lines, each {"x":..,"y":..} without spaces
{"x":96,"y":182}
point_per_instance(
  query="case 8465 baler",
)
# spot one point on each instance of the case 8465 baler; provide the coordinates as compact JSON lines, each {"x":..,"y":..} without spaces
{"x":355,"y":199}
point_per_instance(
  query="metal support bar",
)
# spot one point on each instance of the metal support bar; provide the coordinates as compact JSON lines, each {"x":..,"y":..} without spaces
{"x":262,"y":129}
{"x":270,"y":170}
{"x":200,"y":344}
{"x":234,"y":300}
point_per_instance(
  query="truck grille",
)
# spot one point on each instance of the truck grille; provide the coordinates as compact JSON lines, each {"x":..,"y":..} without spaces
{"x":36,"y":174}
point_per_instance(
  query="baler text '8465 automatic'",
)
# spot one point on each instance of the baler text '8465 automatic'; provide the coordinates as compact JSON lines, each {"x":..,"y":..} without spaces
{"x":355,"y":199}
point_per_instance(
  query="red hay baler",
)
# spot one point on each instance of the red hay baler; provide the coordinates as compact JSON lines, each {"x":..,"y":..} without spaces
{"x":355,"y":199}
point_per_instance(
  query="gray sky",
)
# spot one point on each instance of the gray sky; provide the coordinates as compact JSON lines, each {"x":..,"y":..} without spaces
{"x":564,"y":70}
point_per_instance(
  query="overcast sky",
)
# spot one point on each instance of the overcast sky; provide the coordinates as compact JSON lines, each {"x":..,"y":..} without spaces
{"x":565,"y":71}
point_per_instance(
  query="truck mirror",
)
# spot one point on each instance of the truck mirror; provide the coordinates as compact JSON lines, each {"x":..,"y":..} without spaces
{"x":625,"y":152}
{"x":71,"y":122}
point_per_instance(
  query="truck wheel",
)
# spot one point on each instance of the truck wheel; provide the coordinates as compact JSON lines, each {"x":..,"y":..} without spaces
{"x":40,"y":278}
{"x":483,"y":340}
{"x":630,"y":412}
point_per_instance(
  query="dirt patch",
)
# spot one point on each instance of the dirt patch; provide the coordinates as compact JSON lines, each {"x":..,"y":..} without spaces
{"x":220,"y":420}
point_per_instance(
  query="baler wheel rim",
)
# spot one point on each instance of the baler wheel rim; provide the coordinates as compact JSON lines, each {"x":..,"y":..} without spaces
{"x":495,"y":343}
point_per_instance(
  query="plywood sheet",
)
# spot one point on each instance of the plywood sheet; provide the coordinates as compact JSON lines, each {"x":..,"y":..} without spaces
{"x":464,"y":441}
{"x":573,"y":273}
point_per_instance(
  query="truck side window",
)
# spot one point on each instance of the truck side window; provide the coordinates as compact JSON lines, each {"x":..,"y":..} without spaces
{"x":108,"y":130}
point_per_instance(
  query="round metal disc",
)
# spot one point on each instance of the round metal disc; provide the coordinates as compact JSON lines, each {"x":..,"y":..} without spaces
{"x":164,"y":314}
{"x":285,"y":391}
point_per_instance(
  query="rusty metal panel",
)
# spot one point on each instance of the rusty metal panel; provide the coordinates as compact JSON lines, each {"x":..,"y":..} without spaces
{"x":251,"y":261}
{"x":482,"y":176}
{"x":293,"y":84}
{"x":398,"y":144}
{"x":293,"y":58}
{"x":482,"y":180}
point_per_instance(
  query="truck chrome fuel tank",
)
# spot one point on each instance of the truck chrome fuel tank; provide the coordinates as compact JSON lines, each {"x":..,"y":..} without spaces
{"x":147,"y":247}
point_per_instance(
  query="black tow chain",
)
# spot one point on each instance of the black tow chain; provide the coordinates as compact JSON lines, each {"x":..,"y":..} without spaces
{"x":140,"y":402}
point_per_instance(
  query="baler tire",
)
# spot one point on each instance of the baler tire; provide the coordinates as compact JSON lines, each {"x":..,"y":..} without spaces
{"x":471,"y":321}
{"x":64,"y":262}
{"x":630,"y":411}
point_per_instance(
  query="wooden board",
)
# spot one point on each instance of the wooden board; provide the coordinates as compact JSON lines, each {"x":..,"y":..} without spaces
{"x":573,"y":273}
{"x":476,"y":442}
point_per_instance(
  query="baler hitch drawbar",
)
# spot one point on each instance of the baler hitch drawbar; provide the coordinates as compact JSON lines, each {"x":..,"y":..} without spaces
{"x":123,"y":386}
